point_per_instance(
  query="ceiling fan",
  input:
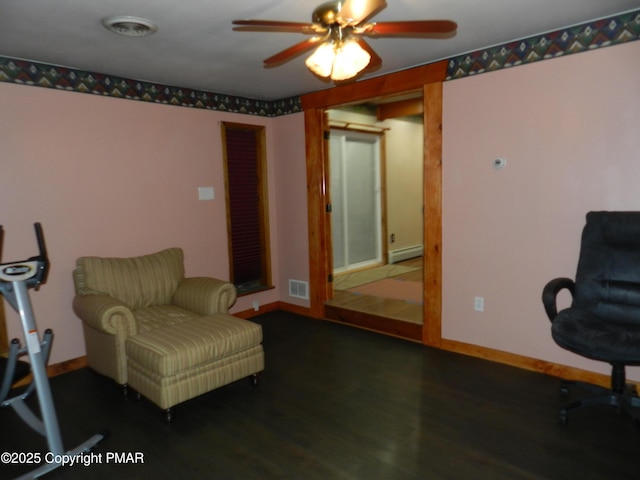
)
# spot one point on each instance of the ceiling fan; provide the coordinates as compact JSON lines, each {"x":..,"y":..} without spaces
{"x":337,"y":30}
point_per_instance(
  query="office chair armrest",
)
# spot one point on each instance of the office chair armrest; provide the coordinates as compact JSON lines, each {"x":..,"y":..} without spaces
{"x":550,"y":294}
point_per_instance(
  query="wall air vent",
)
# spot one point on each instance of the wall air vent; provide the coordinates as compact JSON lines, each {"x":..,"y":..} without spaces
{"x":299,"y":289}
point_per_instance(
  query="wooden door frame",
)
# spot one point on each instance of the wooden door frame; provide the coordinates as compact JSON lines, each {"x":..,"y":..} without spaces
{"x":428,"y":80}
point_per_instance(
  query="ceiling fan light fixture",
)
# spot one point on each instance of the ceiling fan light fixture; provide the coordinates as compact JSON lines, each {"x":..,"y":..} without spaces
{"x":321,"y":60}
{"x":350,"y":60}
{"x":129,"y":26}
{"x":338,"y":60}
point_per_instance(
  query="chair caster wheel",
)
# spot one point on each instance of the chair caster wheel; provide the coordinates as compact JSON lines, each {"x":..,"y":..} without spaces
{"x":564,"y":387}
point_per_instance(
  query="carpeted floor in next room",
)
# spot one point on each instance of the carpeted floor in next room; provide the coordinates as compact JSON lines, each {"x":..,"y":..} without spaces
{"x":336,"y":402}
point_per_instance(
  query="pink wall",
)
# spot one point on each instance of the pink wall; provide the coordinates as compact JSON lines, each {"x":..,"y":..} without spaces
{"x":291,"y":199}
{"x":569,"y":131}
{"x":111,"y":177}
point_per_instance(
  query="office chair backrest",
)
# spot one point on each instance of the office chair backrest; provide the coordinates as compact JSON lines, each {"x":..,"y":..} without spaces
{"x":608,"y":275}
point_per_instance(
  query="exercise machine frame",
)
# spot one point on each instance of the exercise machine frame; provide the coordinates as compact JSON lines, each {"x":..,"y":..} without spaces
{"x":16,"y":278}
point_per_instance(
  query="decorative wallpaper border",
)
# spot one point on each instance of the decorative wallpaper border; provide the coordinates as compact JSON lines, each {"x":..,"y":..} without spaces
{"x":597,"y":34}
{"x":601,"y":33}
{"x":25,"y":72}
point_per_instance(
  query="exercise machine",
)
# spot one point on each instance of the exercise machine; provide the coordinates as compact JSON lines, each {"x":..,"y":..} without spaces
{"x":16,"y":278}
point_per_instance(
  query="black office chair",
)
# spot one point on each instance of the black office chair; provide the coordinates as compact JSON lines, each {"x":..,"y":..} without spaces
{"x":603,"y":321}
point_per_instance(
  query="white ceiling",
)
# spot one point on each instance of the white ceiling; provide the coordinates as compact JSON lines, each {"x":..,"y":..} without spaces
{"x":195,"y":46}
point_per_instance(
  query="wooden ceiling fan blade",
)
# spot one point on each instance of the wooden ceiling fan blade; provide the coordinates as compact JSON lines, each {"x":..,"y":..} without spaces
{"x":411,"y":28}
{"x":355,"y":12}
{"x":274,"y":26}
{"x":293,"y":51}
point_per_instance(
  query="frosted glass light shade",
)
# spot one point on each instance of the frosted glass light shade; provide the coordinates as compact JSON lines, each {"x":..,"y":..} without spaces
{"x":338,"y":61}
{"x":320,"y":62}
{"x":350,"y":60}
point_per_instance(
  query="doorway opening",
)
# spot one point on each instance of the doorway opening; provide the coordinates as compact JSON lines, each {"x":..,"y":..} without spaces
{"x":390,"y":284}
{"x":427,"y":81}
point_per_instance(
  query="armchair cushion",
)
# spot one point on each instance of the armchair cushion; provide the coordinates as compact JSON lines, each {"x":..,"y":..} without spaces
{"x":157,"y":316}
{"x":138,"y":281}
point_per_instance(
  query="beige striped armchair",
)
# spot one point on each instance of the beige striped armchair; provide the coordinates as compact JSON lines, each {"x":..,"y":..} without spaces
{"x":168,"y":337}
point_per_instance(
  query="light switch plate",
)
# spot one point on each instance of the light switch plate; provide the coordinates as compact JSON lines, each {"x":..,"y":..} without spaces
{"x":206,"y":193}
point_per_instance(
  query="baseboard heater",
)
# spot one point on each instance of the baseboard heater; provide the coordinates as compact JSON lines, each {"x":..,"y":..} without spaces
{"x":402,"y":254}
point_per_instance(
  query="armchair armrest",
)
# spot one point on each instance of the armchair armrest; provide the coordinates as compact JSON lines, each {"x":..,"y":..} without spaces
{"x":105,"y":314}
{"x":205,"y":295}
{"x":550,"y":294}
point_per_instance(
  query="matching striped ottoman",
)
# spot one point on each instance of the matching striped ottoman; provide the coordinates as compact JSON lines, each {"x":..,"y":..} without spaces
{"x":175,"y":363}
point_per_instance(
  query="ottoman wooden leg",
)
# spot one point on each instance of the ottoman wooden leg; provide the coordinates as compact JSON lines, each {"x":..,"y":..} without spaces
{"x":169,"y":413}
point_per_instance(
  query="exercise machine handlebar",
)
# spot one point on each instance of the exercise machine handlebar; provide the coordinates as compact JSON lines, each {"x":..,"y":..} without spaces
{"x":34,"y":270}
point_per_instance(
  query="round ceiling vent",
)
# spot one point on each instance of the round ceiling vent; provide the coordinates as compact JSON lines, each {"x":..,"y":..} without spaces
{"x":129,"y":26}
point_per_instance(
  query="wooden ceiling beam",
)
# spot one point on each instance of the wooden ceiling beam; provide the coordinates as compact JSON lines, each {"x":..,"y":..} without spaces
{"x":402,"y":108}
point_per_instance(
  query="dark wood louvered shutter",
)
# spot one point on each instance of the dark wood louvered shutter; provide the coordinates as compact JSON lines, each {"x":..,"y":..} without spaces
{"x":243,"y":178}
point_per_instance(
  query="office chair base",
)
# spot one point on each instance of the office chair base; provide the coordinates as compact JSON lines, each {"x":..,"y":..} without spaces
{"x":625,"y":401}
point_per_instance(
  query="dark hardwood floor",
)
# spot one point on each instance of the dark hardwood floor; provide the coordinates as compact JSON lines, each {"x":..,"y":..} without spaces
{"x":337,"y":402}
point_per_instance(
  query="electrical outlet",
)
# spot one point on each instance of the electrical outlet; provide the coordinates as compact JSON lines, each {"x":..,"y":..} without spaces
{"x":393,"y":237}
{"x":478,"y":304}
